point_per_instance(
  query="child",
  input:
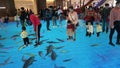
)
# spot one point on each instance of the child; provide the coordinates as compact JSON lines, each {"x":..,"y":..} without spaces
{"x":17,"y":20}
{"x":24,"y":35}
{"x":70,"y":30}
{"x":98,"y":29}
{"x":89,"y":29}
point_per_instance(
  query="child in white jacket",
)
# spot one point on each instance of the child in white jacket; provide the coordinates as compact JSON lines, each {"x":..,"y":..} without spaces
{"x":24,"y":35}
{"x":90,"y":29}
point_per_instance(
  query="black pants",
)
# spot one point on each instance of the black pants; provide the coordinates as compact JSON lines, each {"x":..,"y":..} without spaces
{"x":98,"y":34}
{"x":26,"y":41}
{"x":38,"y":33}
{"x":117,"y":28}
{"x":88,"y":34}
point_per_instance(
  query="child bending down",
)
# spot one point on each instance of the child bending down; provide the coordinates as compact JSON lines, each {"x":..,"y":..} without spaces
{"x":24,"y":35}
{"x":98,"y":29}
{"x":70,"y":30}
{"x":89,"y":29}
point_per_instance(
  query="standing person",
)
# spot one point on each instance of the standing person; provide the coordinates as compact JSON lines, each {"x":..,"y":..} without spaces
{"x":89,"y":15}
{"x":98,"y":29}
{"x":23,"y":16}
{"x":59,"y":13}
{"x":54,"y":17}
{"x":73,"y":17}
{"x":89,"y":29}
{"x":24,"y":35}
{"x":17,"y":20}
{"x":105,"y":14}
{"x":48,"y":16}
{"x":115,"y":23}
{"x":37,"y":26}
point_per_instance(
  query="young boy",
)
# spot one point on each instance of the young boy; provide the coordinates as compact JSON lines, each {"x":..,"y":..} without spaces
{"x":89,"y":29}
{"x":24,"y":35}
{"x":98,"y":29}
{"x":70,"y":30}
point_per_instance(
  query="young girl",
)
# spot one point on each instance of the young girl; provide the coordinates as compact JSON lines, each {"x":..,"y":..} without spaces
{"x":89,"y":29}
{"x":70,"y":30}
{"x":24,"y":35}
{"x":17,"y":20}
{"x":98,"y":29}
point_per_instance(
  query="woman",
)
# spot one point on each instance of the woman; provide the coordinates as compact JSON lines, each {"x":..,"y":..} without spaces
{"x":73,"y":17}
{"x":36,"y":24}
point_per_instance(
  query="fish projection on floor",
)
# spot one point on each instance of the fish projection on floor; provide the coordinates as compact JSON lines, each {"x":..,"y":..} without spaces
{"x":93,"y":45}
{"x":3,"y":38}
{"x":28,"y":62}
{"x":60,"y":40}
{"x":7,"y":61}
{"x":53,"y":55}
{"x":66,"y":60}
{"x":49,"y":50}
{"x":52,"y":42}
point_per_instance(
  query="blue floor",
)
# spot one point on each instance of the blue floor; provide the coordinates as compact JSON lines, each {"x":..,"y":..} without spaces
{"x":85,"y":52}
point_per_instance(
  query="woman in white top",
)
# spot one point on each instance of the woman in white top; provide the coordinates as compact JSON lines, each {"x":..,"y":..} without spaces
{"x":73,"y":17}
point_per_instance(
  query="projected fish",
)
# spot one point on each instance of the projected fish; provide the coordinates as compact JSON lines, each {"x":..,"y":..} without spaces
{"x":52,"y":42}
{"x":66,"y":60}
{"x":49,"y":49}
{"x":7,"y":61}
{"x":60,"y":40}
{"x":15,"y":36}
{"x":29,"y":62}
{"x":53,"y":55}
{"x":3,"y":38}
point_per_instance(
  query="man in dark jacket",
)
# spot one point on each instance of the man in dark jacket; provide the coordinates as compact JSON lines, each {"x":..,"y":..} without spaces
{"x":105,"y":16}
{"x":23,"y":16}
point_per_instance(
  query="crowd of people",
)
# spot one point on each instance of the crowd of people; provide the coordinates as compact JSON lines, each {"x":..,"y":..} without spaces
{"x":105,"y":18}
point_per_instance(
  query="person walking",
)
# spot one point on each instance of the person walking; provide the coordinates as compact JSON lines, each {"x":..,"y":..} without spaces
{"x":115,"y":23}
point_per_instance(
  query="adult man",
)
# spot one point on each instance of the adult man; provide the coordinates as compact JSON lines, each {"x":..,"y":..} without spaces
{"x":115,"y":23}
{"x":23,"y":16}
{"x":105,"y":14}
